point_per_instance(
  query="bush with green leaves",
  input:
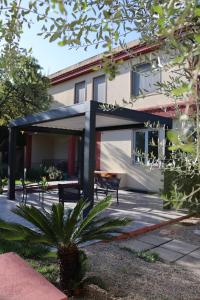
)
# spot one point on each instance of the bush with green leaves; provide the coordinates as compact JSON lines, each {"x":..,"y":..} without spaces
{"x":148,"y":256}
{"x":53,"y":173}
{"x":3,"y":182}
{"x":35,"y":174}
{"x":66,"y":231}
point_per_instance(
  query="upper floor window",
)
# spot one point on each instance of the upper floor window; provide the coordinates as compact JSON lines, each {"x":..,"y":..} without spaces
{"x":145,"y":80}
{"x":148,"y":146}
{"x":80,"y":92}
{"x":99,"y":88}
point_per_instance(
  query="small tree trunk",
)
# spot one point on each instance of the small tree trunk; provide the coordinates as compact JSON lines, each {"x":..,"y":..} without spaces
{"x":69,"y":267}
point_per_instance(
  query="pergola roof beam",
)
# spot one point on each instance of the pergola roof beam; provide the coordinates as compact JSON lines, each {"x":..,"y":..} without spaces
{"x":51,"y":115}
{"x":38,"y":129}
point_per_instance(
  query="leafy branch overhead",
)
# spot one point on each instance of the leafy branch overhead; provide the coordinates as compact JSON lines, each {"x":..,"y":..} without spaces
{"x":23,"y":88}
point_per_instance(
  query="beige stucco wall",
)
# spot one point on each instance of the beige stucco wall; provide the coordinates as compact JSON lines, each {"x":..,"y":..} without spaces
{"x":116,"y":156}
{"x":116,"y":146}
{"x":117,"y":90}
{"x":63,"y":93}
{"x":48,"y":146}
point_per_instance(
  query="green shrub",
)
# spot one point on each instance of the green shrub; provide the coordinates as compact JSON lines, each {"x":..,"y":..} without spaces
{"x":53,"y":173}
{"x":35,"y":174}
{"x":3,"y":182}
{"x":148,"y":256}
{"x":177,"y":188}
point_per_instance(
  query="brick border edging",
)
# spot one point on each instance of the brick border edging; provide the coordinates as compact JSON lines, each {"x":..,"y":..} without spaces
{"x":146,"y":229}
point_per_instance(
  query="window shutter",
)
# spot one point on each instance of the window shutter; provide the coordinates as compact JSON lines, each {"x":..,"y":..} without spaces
{"x":135,"y":83}
{"x":99,"y":89}
{"x":80,"y":92}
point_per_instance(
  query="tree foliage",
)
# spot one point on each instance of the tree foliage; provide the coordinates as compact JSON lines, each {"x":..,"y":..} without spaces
{"x":23,"y":88}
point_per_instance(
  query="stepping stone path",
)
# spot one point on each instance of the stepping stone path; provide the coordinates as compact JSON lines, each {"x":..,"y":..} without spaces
{"x":136,"y":245}
{"x":169,"y":250}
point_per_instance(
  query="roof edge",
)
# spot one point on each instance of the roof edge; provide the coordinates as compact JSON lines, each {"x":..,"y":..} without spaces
{"x":96,"y":61}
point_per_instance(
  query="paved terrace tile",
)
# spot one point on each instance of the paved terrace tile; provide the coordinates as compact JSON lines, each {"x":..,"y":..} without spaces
{"x":145,"y":210}
{"x":180,"y":246}
{"x":190,"y":263}
{"x":167,"y":255}
{"x":153,"y":239}
{"x":195,"y":254}
{"x":135,"y":245}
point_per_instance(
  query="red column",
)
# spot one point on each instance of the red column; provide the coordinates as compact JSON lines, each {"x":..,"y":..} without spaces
{"x":28,"y":151}
{"x":71,"y":155}
{"x":98,"y":150}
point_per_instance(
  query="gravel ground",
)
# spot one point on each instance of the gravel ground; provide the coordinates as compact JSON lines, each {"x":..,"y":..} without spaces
{"x":128,"y":277}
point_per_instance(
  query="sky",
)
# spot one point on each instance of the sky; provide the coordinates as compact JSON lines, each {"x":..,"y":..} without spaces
{"x":53,"y":57}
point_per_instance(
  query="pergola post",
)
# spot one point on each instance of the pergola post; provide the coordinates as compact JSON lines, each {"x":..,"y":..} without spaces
{"x":89,"y":154}
{"x":11,"y":163}
{"x":81,"y":158}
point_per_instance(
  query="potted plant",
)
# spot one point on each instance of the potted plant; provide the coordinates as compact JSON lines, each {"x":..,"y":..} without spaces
{"x":3,"y":182}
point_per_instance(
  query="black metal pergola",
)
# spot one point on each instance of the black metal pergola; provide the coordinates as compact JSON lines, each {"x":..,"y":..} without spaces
{"x":81,"y":120}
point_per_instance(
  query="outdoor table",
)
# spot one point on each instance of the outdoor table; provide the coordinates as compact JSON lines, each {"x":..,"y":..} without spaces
{"x":106,"y":173}
{"x":51,"y":184}
{"x":118,"y":174}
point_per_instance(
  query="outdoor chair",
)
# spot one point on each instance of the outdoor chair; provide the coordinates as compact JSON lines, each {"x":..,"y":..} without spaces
{"x":30,"y":189}
{"x":107,"y":185}
{"x":69,"y":193}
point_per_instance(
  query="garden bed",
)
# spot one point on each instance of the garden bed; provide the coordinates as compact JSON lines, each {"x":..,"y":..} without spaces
{"x":121,"y":274}
{"x":126,"y":276}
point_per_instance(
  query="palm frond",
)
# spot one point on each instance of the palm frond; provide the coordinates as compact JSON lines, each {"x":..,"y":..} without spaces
{"x":108,"y":225}
{"x":15,"y":231}
{"x":72,"y":222}
{"x":101,"y":237}
{"x":96,"y":210}
{"x":108,"y":228}
{"x":38,"y":219}
{"x":57,"y":219}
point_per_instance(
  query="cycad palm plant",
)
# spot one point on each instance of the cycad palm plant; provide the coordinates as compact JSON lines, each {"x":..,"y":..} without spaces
{"x":65,"y":231}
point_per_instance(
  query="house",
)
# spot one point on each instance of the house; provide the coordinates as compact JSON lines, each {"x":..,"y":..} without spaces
{"x":116,"y":150}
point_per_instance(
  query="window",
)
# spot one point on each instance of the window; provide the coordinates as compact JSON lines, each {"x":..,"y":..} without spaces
{"x":148,"y":145}
{"x":145,"y":79}
{"x":99,"y":89}
{"x":80,"y":92}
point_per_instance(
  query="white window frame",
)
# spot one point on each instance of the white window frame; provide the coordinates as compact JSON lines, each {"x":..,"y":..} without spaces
{"x":161,"y":146}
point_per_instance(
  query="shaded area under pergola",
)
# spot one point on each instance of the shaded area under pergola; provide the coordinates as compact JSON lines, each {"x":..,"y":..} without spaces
{"x":81,"y":120}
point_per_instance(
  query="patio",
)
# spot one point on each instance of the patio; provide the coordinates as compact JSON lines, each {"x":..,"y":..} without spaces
{"x":82,"y":120}
{"x":144,"y":209}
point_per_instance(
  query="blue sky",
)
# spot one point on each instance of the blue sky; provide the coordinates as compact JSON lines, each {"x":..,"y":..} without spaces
{"x":53,"y":57}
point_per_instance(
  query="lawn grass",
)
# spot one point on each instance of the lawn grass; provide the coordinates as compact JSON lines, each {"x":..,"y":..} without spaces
{"x":49,"y":268}
{"x":24,"y":249}
{"x":37,"y":256}
{"x":19,"y":182}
